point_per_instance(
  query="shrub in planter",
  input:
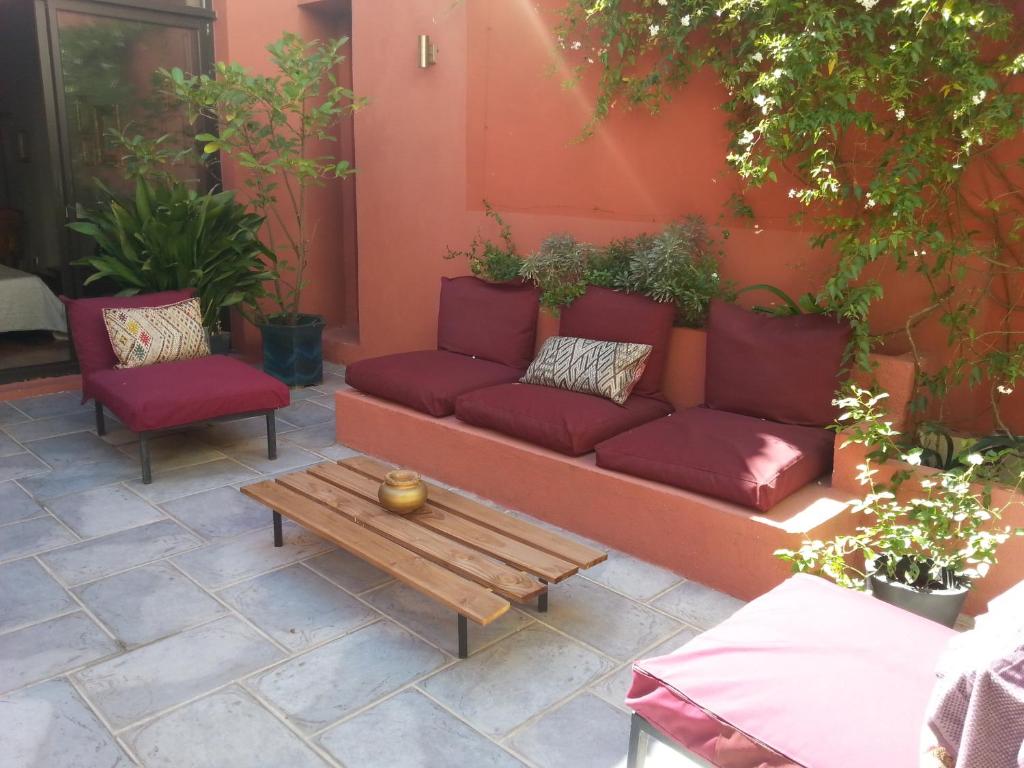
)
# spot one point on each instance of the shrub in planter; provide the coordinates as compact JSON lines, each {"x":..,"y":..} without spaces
{"x":488,"y":260}
{"x":927,"y":535}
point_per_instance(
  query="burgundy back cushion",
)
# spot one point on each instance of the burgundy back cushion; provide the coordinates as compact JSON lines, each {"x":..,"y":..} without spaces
{"x":490,"y":321}
{"x":607,"y":315}
{"x":785,"y":369}
{"x":89,"y":334}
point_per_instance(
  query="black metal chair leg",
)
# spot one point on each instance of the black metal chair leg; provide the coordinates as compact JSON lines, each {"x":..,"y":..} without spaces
{"x":271,"y":436}
{"x":147,"y":472}
{"x":542,"y":600}
{"x":101,"y":424}
{"x":463,"y":637}
{"x":637,"y":755}
{"x":278,"y":531}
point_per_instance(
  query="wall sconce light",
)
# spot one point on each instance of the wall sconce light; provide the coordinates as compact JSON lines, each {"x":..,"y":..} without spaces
{"x":428,"y":52}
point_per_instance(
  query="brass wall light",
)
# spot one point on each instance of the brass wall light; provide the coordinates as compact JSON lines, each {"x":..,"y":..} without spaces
{"x":428,"y":52}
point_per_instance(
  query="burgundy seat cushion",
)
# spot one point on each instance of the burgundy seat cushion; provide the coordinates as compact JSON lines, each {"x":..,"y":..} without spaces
{"x":780,"y":368}
{"x":737,"y":458}
{"x":171,"y":394}
{"x":427,"y":381}
{"x":489,"y":321}
{"x":607,"y":315}
{"x":799,"y":675}
{"x":564,"y":421}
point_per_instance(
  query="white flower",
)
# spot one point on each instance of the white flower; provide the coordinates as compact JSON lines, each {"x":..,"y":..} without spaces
{"x":913,"y":457}
{"x":900,"y":113}
{"x":576,"y":45}
{"x":1004,"y":390}
{"x":792,"y":194}
{"x":869,"y":201}
{"x":979,"y":97}
{"x":747,"y":137}
{"x":685,"y":20}
{"x":654,"y":29}
{"x":662,"y":2}
{"x":758,"y":57}
{"x":976,"y":459}
{"x":868,"y":4}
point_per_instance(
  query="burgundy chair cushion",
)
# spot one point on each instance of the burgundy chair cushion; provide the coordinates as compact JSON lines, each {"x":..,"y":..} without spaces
{"x":780,"y":368}
{"x":737,"y":458}
{"x":171,"y":394}
{"x":89,"y":334}
{"x":608,"y":315}
{"x":564,"y":421}
{"x":489,"y":321}
{"x":427,"y":381}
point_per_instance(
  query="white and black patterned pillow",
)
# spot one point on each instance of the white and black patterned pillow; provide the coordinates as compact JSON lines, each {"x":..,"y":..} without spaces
{"x":605,"y":368}
{"x":147,"y":335}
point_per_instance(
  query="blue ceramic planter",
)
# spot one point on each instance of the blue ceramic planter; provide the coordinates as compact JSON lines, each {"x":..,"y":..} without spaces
{"x":294,"y":353}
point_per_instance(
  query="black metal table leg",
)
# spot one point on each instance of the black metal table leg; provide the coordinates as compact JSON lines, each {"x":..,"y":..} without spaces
{"x":271,"y":436}
{"x":463,"y":637}
{"x":542,"y":601}
{"x":101,"y":424}
{"x":278,"y":533}
{"x":147,"y":472}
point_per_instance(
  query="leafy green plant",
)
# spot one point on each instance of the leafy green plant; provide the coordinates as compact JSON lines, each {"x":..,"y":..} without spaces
{"x":560,"y":269}
{"x":270,"y":124}
{"x":167,"y":236}
{"x":487,"y":259}
{"x":943,"y":535}
{"x":896,"y":125}
{"x":805,"y":304}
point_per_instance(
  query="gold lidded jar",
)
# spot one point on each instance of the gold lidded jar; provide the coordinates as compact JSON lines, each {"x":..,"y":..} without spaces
{"x":402,"y":492}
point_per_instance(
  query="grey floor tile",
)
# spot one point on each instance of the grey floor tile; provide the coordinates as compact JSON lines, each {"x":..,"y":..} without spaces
{"x":611,"y":623}
{"x":698,"y":605}
{"x":348,"y":571}
{"x":505,"y":685}
{"x":49,"y":726}
{"x":298,"y":608}
{"x":8,"y":446}
{"x":148,"y":603}
{"x":75,"y":478}
{"x":584,"y":731}
{"x":185,"y":481}
{"x":226,"y":728}
{"x":77,"y":448}
{"x":220,"y":513}
{"x":338,"y":452}
{"x":37,"y":429}
{"x":253,"y":454}
{"x":437,"y":623}
{"x":28,"y":594}
{"x":47,"y":649}
{"x":305,"y":414}
{"x":221,"y":563}
{"x":382,"y":737}
{"x":298,"y":394}
{"x":30,"y":537}
{"x":315,"y":437}
{"x":16,"y":505}
{"x":21,"y":465}
{"x":176,"y":451}
{"x":10,"y":415}
{"x":614,"y":688}
{"x":152,"y":678}
{"x":225,"y":433}
{"x":56,"y":404}
{"x":332,"y":383}
{"x":100,"y":511}
{"x":327,"y":401}
{"x":96,"y":558}
{"x":632,"y":577}
{"x":319,"y":687}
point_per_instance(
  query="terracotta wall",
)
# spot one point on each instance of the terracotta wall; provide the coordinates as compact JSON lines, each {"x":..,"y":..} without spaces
{"x":493,"y":121}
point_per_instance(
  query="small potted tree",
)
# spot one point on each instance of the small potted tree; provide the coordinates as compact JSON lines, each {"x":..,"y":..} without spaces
{"x":271,"y":125}
{"x":929,"y":534}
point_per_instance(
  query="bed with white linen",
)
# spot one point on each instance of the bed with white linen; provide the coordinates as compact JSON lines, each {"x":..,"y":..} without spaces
{"x":27,"y":304}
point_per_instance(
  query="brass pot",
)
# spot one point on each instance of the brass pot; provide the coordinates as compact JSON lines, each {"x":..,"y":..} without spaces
{"x":402,"y":492}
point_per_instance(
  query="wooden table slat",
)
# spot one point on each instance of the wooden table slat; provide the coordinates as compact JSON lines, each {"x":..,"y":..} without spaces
{"x":461,"y":595}
{"x":503,"y":579}
{"x":487,"y":540}
{"x":512,"y":527}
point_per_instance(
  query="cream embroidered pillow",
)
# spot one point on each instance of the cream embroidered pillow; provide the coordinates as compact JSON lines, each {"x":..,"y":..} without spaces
{"x":147,"y":335}
{"x":605,"y":368}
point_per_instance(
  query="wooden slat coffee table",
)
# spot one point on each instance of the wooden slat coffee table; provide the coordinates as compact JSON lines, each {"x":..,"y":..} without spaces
{"x":465,"y":555}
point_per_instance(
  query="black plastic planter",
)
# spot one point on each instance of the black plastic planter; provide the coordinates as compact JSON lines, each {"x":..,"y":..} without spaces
{"x":294,"y":353}
{"x":941,"y":605}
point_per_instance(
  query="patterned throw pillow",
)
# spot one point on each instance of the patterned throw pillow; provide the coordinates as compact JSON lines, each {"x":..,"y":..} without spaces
{"x":606,"y":368}
{"x":147,"y":335}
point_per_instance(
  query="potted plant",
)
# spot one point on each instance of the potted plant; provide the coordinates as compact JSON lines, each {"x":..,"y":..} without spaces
{"x":272,"y":126}
{"x":167,"y":236}
{"x":930,"y":533}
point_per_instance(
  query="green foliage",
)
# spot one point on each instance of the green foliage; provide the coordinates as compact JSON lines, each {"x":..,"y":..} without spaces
{"x":269,"y":124}
{"x":901,"y":122}
{"x":488,"y":260}
{"x":169,"y":237}
{"x":560,"y":269}
{"x":805,"y":304}
{"x":943,"y":535}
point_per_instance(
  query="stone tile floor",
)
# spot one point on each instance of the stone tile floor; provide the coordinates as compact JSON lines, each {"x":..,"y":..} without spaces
{"x":158,"y":626}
